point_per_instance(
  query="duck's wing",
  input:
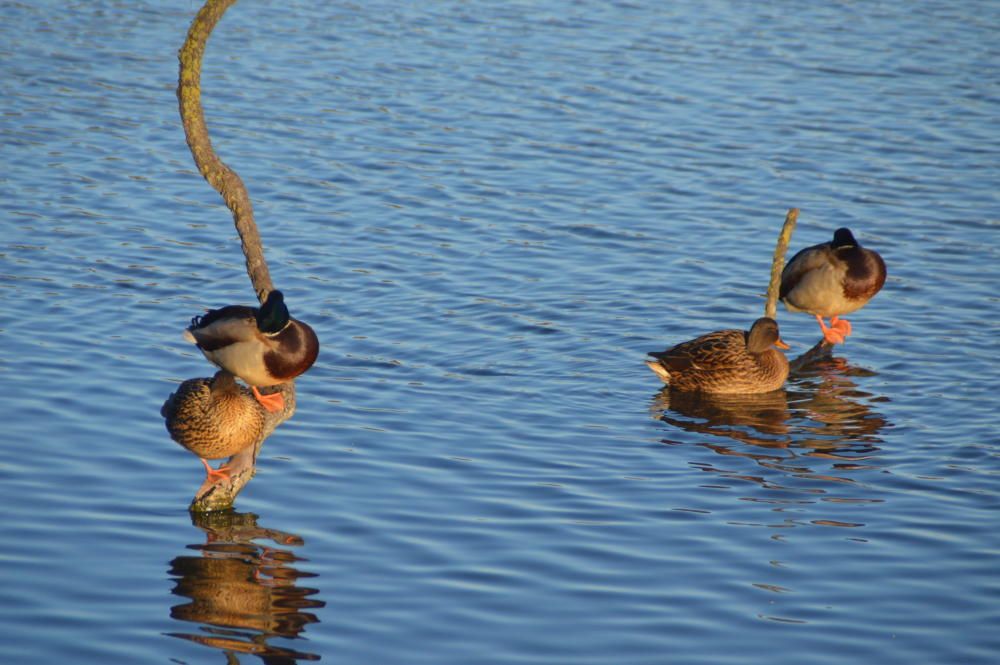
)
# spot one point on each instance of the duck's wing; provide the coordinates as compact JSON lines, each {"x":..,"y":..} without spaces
{"x":222,"y":327}
{"x":716,"y":350}
{"x":177,"y":407}
{"x":805,"y":261}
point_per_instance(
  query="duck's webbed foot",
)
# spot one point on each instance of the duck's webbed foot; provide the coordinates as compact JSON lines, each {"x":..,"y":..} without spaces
{"x":835,"y":332}
{"x":843,"y":326}
{"x":215,"y":474}
{"x":273,"y":402}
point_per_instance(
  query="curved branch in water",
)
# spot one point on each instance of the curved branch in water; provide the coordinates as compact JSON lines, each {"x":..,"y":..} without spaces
{"x":222,"y":178}
{"x":220,"y":495}
{"x":778,"y":263}
{"x":822,"y":348}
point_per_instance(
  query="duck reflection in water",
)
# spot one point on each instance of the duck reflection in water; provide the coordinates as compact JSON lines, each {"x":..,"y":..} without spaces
{"x":242,"y":593}
{"x":822,"y":413}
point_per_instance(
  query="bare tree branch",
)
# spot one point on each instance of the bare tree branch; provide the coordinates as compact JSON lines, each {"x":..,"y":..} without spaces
{"x":220,"y":494}
{"x":222,"y":178}
{"x":778,"y":263}
{"x":822,"y":348}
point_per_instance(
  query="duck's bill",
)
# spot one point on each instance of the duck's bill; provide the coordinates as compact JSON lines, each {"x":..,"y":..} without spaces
{"x":781,"y":344}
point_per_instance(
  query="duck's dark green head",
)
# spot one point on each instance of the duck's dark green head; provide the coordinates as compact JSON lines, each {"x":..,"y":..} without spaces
{"x":844,"y":238}
{"x":273,"y":315}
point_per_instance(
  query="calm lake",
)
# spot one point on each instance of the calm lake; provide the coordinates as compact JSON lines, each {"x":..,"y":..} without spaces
{"x":489,"y":212}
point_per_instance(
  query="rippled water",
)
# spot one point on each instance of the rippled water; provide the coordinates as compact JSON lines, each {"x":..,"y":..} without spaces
{"x":489,"y":212}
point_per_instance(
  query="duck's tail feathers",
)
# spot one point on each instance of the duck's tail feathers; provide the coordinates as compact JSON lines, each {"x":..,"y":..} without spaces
{"x":659,"y":369}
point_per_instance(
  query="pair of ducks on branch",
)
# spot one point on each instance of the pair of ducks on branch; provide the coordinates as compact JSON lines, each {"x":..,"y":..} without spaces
{"x":826,"y":280}
{"x":216,"y":418}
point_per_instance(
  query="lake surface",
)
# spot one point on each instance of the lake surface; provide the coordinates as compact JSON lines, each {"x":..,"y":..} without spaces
{"x":489,"y":212}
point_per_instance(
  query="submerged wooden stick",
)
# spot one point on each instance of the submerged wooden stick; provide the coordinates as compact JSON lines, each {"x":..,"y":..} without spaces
{"x":222,"y":178}
{"x":821,"y":349}
{"x":220,"y":494}
{"x":778,"y":263}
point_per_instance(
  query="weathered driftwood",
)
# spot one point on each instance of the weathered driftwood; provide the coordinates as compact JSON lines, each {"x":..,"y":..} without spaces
{"x":822,"y":348}
{"x":219,"y":176}
{"x":220,"y":494}
{"x":778,"y":263}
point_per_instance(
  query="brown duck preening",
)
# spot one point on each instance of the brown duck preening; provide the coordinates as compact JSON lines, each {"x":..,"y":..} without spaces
{"x":726,"y":361}
{"x":214,"y":418}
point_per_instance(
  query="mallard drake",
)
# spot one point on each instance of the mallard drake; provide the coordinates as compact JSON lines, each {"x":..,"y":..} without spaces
{"x":214,"y":418}
{"x":263,"y":347}
{"x":726,"y":361}
{"x":831,"y":279}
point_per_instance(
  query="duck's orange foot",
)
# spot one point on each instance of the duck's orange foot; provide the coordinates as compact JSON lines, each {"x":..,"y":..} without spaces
{"x":843,"y":326}
{"x":222,"y":473}
{"x":834,"y":334}
{"x":273,"y":402}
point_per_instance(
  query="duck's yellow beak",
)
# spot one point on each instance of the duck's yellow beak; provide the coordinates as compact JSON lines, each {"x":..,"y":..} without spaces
{"x":781,"y":344}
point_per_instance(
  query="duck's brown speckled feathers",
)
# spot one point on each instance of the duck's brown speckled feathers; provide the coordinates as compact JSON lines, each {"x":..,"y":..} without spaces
{"x":213,"y":418}
{"x":726,"y":361}
{"x":832,"y":278}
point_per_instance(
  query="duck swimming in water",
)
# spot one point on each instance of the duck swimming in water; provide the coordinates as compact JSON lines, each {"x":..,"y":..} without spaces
{"x":726,"y":361}
{"x":831,"y":279}
{"x":263,"y":347}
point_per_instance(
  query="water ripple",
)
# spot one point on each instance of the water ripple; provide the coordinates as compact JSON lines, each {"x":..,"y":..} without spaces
{"x":489,"y":213}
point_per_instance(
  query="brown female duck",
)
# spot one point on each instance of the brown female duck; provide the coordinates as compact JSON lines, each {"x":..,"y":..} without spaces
{"x":214,"y":418}
{"x":726,"y":361}
{"x":830,"y":279}
{"x":263,"y":346}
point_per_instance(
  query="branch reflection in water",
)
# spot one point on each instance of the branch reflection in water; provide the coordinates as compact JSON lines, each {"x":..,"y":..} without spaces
{"x":242,"y":593}
{"x":822,"y":427}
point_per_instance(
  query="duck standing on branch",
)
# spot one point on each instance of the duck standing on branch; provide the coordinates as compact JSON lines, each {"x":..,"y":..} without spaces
{"x":726,"y":361}
{"x":830,"y":279}
{"x":263,"y":347}
{"x":213,"y":418}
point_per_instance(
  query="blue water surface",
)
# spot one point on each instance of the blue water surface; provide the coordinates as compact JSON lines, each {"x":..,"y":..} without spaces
{"x":489,"y":212}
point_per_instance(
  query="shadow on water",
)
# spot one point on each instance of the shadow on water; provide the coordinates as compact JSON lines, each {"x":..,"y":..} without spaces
{"x":822,"y":427}
{"x":243,"y":594}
